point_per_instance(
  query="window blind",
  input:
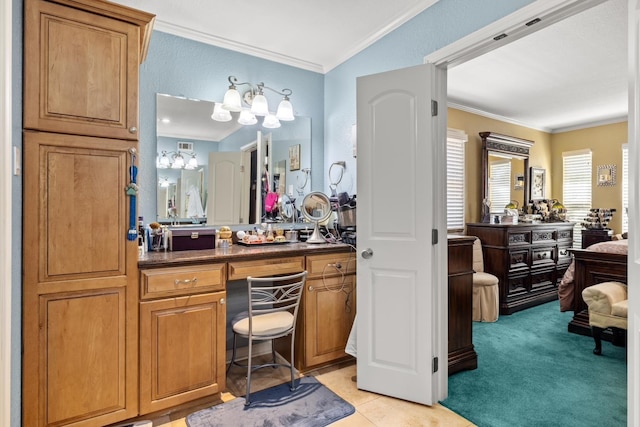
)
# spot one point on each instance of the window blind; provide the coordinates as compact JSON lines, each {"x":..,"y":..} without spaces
{"x":625,"y":188}
{"x":455,"y":182}
{"x":499,"y":184}
{"x":576,"y":189}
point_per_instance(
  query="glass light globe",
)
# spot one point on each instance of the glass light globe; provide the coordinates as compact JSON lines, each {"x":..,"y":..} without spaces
{"x":271,"y":121}
{"x":260,"y":106}
{"x":232,"y":101}
{"x":220,"y":114}
{"x":163,"y":162}
{"x":178,"y":162}
{"x":285,"y":111}
{"x":247,"y":118}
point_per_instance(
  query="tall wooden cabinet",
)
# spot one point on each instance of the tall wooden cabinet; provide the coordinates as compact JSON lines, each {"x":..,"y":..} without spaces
{"x":80,"y":294}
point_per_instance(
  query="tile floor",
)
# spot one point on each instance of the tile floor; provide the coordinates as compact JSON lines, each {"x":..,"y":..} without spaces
{"x":371,"y":409}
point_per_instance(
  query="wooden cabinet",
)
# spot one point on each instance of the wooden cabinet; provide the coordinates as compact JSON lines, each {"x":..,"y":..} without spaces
{"x":528,"y":259}
{"x":81,"y":69}
{"x":462,"y":354}
{"x":182,"y":350}
{"x":327,"y":310}
{"x":80,"y":292}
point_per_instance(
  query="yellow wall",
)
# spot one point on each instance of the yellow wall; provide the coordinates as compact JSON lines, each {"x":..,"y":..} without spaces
{"x":473,"y":124}
{"x":605,"y":143}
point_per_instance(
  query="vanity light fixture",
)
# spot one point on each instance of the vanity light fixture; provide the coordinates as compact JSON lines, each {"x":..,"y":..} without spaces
{"x":232,"y":102}
{"x":175,"y":160}
{"x":164,"y":182}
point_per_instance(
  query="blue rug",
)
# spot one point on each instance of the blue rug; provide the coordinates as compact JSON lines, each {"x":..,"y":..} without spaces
{"x":311,"y":404}
{"x":533,"y":373}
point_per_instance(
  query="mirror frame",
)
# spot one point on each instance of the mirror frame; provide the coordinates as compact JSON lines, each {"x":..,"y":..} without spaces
{"x":503,"y":144}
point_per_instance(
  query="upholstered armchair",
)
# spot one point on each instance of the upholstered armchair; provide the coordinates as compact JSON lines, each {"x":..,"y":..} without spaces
{"x":607,"y":304}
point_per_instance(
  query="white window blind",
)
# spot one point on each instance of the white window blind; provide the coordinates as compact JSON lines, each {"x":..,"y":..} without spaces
{"x":499,"y":184}
{"x":576,"y":189}
{"x":455,"y":179}
{"x":625,"y":188}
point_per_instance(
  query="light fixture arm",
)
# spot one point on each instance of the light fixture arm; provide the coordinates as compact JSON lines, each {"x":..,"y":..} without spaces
{"x":233,"y":82}
{"x":286,"y":93}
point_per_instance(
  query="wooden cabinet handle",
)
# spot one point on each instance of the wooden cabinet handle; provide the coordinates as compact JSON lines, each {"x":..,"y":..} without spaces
{"x":186,"y":281}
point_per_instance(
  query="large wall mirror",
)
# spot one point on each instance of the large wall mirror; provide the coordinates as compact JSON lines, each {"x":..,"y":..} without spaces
{"x":505,"y":162}
{"x":220,"y":173}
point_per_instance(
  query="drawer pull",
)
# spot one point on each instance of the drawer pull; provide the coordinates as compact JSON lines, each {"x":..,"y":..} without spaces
{"x":186,"y":281}
{"x":222,"y":301}
{"x":564,"y":252}
{"x":542,"y":255}
{"x":310,"y":288}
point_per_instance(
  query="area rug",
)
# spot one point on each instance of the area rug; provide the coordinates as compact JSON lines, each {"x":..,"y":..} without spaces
{"x":311,"y":404}
{"x":533,"y":373}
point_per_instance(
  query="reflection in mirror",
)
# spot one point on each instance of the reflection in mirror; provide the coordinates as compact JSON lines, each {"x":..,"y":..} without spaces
{"x":506,"y":181}
{"x":316,"y":207}
{"x":226,"y":183}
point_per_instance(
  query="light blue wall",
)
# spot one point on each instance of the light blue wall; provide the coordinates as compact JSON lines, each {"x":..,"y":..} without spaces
{"x":177,"y":66}
{"x":438,"y":26}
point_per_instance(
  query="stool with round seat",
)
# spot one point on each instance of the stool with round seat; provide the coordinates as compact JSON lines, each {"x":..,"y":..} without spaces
{"x":486,"y":294}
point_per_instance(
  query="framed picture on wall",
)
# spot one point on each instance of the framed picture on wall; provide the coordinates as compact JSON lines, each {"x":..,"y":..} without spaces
{"x":294,"y":157}
{"x":536,"y":183}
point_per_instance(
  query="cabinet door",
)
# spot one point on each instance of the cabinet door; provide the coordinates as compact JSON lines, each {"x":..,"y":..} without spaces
{"x":79,"y":283}
{"x":80,"y":72}
{"x":182,"y":350}
{"x":329,"y":307}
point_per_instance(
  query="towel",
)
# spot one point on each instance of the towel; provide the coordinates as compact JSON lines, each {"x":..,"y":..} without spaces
{"x":194,"y":204}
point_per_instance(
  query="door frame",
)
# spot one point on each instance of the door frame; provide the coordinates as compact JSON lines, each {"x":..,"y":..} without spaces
{"x":5,"y":210}
{"x":550,"y":11}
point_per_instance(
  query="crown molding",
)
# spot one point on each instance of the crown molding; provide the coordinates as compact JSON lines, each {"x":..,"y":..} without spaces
{"x":180,"y":31}
{"x":497,"y":117}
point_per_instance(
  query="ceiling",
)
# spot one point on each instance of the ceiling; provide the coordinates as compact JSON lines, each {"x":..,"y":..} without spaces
{"x":568,"y":75}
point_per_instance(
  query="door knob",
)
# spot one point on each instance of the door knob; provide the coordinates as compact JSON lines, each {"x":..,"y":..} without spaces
{"x":367,"y":253}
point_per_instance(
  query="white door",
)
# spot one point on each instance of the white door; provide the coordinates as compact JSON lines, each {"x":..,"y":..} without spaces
{"x":224,"y":184}
{"x":401,"y":152}
{"x":633,"y":328}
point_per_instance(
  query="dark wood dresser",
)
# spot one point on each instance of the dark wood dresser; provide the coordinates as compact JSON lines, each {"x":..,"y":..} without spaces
{"x":528,"y":259}
{"x":595,"y":235}
{"x":462,"y":354}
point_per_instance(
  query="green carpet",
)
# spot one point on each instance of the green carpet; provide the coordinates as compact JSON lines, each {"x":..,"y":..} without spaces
{"x":532,"y":372}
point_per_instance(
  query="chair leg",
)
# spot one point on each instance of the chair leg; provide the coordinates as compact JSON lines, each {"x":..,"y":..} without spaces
{"x":597,"y":337}
{"x":293,"y":339}
{"x":233,"y":353}
{"x":247,"y":398}
{"x":273,"y":355}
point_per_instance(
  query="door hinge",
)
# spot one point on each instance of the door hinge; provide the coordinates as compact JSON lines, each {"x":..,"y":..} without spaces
{"x":434,"y":108}
{"x":435,"y":365}
{"x":434,"y":236}
{"x":241,"y":168}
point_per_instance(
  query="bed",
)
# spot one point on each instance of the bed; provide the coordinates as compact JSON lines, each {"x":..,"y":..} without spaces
{"x":601,"y":262}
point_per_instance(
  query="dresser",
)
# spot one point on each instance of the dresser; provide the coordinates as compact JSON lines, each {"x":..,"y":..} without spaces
{"x":529,"y":260}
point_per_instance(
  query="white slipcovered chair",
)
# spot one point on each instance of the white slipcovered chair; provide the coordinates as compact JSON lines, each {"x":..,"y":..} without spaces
{"x":486,"y":295}
{"x":607,"y":304}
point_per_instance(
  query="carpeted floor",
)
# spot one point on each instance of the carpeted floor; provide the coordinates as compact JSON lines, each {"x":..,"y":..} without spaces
{"x":532,"y":372}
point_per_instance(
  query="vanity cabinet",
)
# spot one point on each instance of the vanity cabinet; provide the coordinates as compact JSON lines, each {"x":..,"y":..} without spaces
{"x":326,"y":313}
{"x":182,"y":335}
{"x":80,"y":274}
{"x":528,"y":259}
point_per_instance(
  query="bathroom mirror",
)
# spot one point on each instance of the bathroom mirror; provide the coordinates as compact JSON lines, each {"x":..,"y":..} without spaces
{"x":316,"y":207}
{"x":505,"y":159}
{"x":229,"y":181}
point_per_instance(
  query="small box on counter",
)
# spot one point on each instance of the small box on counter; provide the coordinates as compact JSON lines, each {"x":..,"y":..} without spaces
{"x":193,"y":238}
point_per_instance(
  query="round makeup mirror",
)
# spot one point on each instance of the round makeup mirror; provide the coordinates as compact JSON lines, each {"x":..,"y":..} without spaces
{"x":316,"y":207}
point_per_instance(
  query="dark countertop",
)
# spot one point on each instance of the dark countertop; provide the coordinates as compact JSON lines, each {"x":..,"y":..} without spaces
{"x":237,"y":252}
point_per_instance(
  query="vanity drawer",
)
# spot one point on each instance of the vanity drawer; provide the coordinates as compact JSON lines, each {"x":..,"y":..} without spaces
{"x":520,"y":237}
{"x":331,"y":264}
{"x":518,"y":259}
{"x":539,"y":236}
{"x":265,"y":267}
{"x":161,"y":282}
{"x":542,"y":256}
